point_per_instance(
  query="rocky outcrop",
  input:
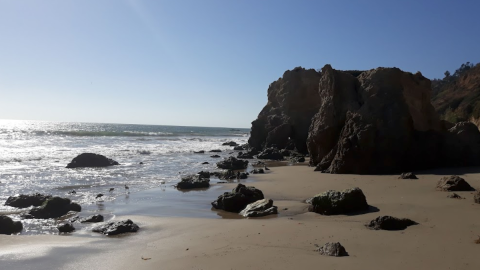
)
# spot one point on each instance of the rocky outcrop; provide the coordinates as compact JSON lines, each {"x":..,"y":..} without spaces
{"x":91,"y":160}
{"x":8,"y":226}
{"x":453,"y":183}
{"x":338,"y":202}
{"x":24,"y":201}
{"x":260,"y":208}
{"x":292,"y":102}
{"x":332,"y":249}
{"x":117,"y":227}
{"x":238,"y":199}
{"x":231,"y":163}
{"x":270,"y":153}
{"x":390,"y":223}
{"x":194,"y":181}
{"x":53,"y":208}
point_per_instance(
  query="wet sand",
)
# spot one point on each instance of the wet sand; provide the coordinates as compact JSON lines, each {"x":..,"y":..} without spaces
{"x":444,"y":239}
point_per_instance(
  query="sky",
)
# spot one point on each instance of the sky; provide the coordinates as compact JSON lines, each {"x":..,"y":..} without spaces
{"x":208,"y":62}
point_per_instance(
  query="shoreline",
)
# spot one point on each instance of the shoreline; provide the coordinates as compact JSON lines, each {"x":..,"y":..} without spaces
{"x":444,"y":238}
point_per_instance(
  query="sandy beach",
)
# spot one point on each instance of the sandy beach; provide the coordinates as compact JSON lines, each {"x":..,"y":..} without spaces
{"x":444,"y":238}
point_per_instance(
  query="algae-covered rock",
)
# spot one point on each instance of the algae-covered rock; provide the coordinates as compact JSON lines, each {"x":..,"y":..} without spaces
{"x":339,"y":202}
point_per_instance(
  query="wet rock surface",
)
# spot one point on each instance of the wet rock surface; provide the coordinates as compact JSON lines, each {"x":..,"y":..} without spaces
{"x":194,"y":181}
{"x":24,"y":201}
{"x":339,"y":202}
{"x":270,"y":153}
{"x":453,"y":183}
{"x":232,"y":163}
{"x":91,"y":160}
{"x":390,"y":223}
{"x":65,"y":228}
{"x":53,"y":208}
{"x":238,"y":198}
{"x":8,"y":226}
{"x":117,"y":227}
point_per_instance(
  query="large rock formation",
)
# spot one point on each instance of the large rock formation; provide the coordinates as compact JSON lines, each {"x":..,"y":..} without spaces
{"x":292,"y":102}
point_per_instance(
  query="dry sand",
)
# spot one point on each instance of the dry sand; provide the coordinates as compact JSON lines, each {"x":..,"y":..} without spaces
{"x":444,"y":239}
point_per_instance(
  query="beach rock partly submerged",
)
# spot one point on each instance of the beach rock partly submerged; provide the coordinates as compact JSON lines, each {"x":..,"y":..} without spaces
{"x":194,"y":181}
{"x":390,"y":223}
{"x":230,"y":143}
{"x":257,"y":171}
{"x":338,"y":202}
{"x":238,"y":199}
{"x":232,"y":163}
{"x":333,"y":249}
{"x":453,"y":183}
{"x":24,"y":201}
{"x":53,"y":208}
{"x":66,"y":228}
{"x":117,"y":227}
{"x":260,"y":208}
{"x":8,"y":226}
{"x":407,"y":175}
{"x":91,"y":160}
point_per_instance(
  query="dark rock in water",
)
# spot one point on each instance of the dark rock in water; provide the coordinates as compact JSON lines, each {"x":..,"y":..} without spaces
{"x":199,"y":152}
{"x":203,"y":163}
{"x":476,"y":197}
{"x":215,"y":151}
{"x":259,"y":208}
{"x":408,"y":175}
{"x":141,"y":163}
{"x":231,"y":143}
{"x":193,"y":181}
{"x":117,"y":227}
{"x":215,"y":156}
{"x":270,"y":153}
{"x":203,"y":174}
{"x":245,"y":155}
{"x":241,"y":147}
{"x":256,"y":171}
{"x":453,"y":183}
{"x":231,"y":163}
{"x":91,"y":160}
{"x":238,"y":199}
{"x":53,"y":208}
{"x":390,"y":223}
{"x":24,"y":201}
{"x":258,"y":164}
{"x":242,"y":176}
{"x":455,"y":196}
{"x":8,"y":226}
{"x":339,"y":202}
{"x":92,"y":219}
{"x":226,"y":175}
{"x":65,"y":228}
{"x":332,"y":249}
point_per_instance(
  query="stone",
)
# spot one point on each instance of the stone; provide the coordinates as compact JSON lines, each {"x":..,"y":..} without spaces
{"x":476,"y":197}
{"x":332,"y":249}
{"x":453,"y":183}
{"x":232,"y":163}
{"x":260,"y":208}
{"x":24,"y":201}
{"x":199,"y":152}
{"x":92,"y":219}
{"x":65,"y":228}
{"x":8,"y":226}
{"x":117,"y":227}
{"x":238,"y":199}
{"x":215,"y":151}
{"x":230,"y":143}
{"x":257,"y":171}
{"x":53,"y":208}
{"x":407,"y":175}
{"x":193,"y":181}
{"x":270,"y":153}
{"x":455,"y":196}
{"x":390,"y":223}
{"x":203,"y":174}
{"x":91,"y":160}
{"x":215,"y":156}
{"x":243,"y":175}
{"x":339,"y":202}
{"x":204,"y":163}
{"x":246,"y":155}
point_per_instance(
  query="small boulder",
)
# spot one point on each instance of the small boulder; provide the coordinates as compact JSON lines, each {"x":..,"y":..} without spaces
{"x":92,"y":219}
{"x":24,"y":201}
{"x":215,"y":156}
{"x":238,"y":199}
{"x":231,"y":163}
{"x":257,"y":171}
{"x":199,"y":152}
{"x":193,"y":181}
{"x":332,"y":249}
{"x":455,"y":196}
{"x":390,"y":223}
{"x":242,"y":175}
{"x":476,"y":197}
{"x":53,"y":208}
{"x":226,"y":175}
{"x":117,"y":227}
{"x":65,"y":228}
{"x":407,"y":175}
{"x":203,"y":174}
{"x":215,"y":151}
{"x":245,"y":155}
{"x":297,"y":159}
{"x":270,"y":153}
{"x":259,"y":208}
{"x":8,"y":226}
{"x":203,"y":163}
{"x":91,"y":160}
{"x":453,"y":183}
{"x":231,"y":143}
{"x":339,"y":202}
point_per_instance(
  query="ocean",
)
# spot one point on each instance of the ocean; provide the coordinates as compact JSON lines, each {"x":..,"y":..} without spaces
{"x":33,"y":156}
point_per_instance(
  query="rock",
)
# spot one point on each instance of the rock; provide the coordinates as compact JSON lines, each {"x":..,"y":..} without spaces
{"x":241,"y":147}
{"x":226,"y":175}
{"x":199,"y":152}
{"x":117,"y":227}
{"x":203,"y":163}
{"x":247,"y":155}
{"x":231,"y":163}
{"x":270,"y":153}
{"x":333,"y":249}
{"x":258,"y":164}
{"x":453,"y":183}
{"x":256,"y":171}
{"x":238,"y":199}
{"x":231,"y":143}
{"x":8,"y":226}
{"x":292,"y":102}
{"x":24,"y":201}
{"x":193,"y":181}
{"x":215,"y":156}
{"x":339,"y":202}
{"x":242,"y":176}
{"x":476,"y":197}
{"x":390,"y":223}
{"x":92,"y":219}
{"x":407,"y":175}
{"x":65,"y":228}
{"x":91,"y":160}
{"x":53,"y":208}
{"x":259,"y":208}
{"x":455,"y":196}
{"x":215,"y":151}
{"x":297,"y":159}
{"x":203,"y":174}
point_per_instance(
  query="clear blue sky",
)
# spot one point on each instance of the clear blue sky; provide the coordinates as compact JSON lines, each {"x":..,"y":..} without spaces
{"x":205,"y":62}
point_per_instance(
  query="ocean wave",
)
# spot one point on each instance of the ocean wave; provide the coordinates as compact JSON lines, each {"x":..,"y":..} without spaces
{"x":131,"y":134}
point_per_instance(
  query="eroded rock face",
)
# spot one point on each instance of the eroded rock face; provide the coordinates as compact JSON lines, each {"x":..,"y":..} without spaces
{"x":8,"y":226}
{"x":232,"y":163}
{"x":390,"y":223}
{"x":117,"y":227}
{"x":333,"y":249}
{"x":260,"y":208}
{"x":91,"y":160}
{"x":292,"y":102}
{"x":453,"y":183}
{"x":338,"y":202}
{"x":24,"y":201}
{"x":53,"y":208}
{"x":238,"y":199}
